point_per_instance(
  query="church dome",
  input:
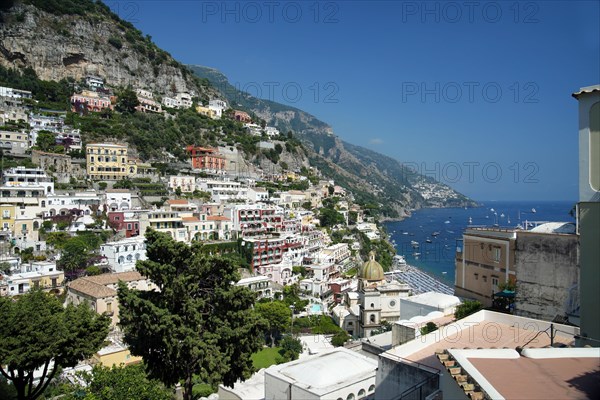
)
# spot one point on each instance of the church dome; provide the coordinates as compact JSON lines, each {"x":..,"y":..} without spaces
{"x":371,"y":270}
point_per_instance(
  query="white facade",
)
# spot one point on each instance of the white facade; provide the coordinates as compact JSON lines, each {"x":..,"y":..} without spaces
{"x":256,"y":194}
{"x":28,"y":178}
{"x":186,"y":183}
{"x":334,"y":374}
{"x":218,"y":106}
{"x":271,"y":131}
{"x":122,"y":255}
{"x":118,"y":199}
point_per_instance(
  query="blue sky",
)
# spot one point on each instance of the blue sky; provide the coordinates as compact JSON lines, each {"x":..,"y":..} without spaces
{"x":476,"y":94}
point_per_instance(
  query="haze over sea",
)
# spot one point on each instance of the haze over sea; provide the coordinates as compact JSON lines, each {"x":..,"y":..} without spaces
{"x":437,"y":258}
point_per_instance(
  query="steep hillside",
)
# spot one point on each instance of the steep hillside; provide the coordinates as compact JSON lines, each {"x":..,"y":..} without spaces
{"x":372,"y":177}
{"x":62,"y":39}
{"x":285,"y":118}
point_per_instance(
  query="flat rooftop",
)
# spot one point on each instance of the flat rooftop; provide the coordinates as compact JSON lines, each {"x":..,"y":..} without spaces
{"x":550,"y":373}
{"x":483,"y":330}
{"x":326,"y":372}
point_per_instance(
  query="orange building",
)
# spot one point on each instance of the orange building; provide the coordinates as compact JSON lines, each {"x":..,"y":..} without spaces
{"x":206,"y":158}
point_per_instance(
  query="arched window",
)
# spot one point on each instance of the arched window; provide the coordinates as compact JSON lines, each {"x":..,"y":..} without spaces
{"x":372,"y":318}
{"x":371,"y":388}
{"x":36,"y":225}
{"x":372,"y":305}
{"x":361,"y":393}
{"x":121,"y":259}
{"x":350,"y":396}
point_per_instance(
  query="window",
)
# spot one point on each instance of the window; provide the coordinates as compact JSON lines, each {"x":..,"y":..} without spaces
{"x":497,"y":253}
{"x":484,"y":277}
{"x":392,"y":303}
{"x":494,"y":281}
{"x":108,"y":307}
{"x":476,"y":277}
{"x":5,"y":213}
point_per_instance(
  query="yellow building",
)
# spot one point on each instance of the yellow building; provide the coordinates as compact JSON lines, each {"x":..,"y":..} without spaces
{"x":206,"y":111}
{"x":108,"y":161}
{"x":115,"y":353}
{"x":7,"y":212}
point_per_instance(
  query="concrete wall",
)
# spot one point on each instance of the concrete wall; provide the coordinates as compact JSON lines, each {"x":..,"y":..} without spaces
{"x":410,"y":309}
{"x":394,"y":377}
{"x":547,"y":273}
{"x":402,"y":334}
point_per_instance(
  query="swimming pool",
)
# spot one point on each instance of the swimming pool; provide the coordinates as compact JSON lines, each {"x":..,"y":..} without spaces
{"x":316,"y":308}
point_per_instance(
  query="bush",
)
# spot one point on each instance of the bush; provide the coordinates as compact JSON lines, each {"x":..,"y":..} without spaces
{"x":340,"y":338}
{"x":430,"y":327}
{"x":467,"y":308}
{"x":115,"y":42}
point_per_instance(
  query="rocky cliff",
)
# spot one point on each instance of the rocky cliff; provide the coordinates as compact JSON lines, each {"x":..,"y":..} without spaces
{"x":87,"y":38}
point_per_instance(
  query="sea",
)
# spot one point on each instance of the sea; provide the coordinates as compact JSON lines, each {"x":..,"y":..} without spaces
{"x":437,"y":258}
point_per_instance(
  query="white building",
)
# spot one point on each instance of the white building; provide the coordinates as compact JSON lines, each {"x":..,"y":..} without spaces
{"x":271,"y":131}
{"x":122,"y":255}
{"x":15,"y":93}
{"x":218,"y":106}
{"x":335,"y":374}
{"x":28,"y":178}
{"x":94,"y":82}
{"x":258,"y":284}
{"x":186,"y":183}
{"x":39,"y":274}
{"x":257,"y":194}
{"x":118,"y":199}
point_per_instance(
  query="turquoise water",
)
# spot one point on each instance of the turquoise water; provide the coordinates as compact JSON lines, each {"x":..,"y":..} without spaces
{"x":437,"y":258}
{"x":315,"y":308}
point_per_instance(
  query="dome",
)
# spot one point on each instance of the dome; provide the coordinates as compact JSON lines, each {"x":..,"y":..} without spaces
{"x":371,"y":270}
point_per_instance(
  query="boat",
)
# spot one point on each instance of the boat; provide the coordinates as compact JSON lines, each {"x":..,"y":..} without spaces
{"x":414,"y":243}
{"x":405,"y":233}
{"x":435,"y":233}
{"x":428,"y":241}
{"x":446,"y":222}
{"x":444,"y":272}
{"x":416,"y":254}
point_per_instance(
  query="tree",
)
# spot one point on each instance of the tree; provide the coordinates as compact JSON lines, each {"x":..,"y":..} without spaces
{"x":4,"y":267}
{"x":127,"y":102}
{"x":102,"y":185}
{"x":290,"y":348}
{"x":197,"y":322}
{"x":123,"y":383}
{"x":36,"y":331}
{"x":277,"y":316}
{"x":329,"y":217}
{"x":45,"y":141}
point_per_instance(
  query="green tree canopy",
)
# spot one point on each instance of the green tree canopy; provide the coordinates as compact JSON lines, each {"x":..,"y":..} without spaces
{"x":45,"y":141}
{"x":277,"y":315}
{"x":128,"y":101}
{"x":198,"y":323}
{"x":122,"y":383}
{"x":38,"y":333}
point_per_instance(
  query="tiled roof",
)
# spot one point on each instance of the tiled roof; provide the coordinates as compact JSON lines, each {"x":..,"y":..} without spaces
{"x":96,"y":286}
{"x":190,"y":219}
{"x":217,"y":218}
{"x":96,"y":290}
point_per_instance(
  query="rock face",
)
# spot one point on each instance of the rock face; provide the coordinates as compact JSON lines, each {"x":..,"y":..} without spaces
{"x":73,"y":46}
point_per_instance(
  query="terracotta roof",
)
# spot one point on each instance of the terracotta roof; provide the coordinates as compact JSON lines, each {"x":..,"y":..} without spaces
{"x":96,"y":286}
{"x":190,"y":219}
{"x":92,"y":289}
{"x":217,"y":218}
{"x":177,"y":201}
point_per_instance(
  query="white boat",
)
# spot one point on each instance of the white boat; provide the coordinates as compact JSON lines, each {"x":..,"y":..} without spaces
{"x":446,"y":222}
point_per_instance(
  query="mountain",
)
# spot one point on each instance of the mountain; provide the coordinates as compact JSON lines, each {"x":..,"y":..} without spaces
{"x":371,"y":176}
{"x":69,"y":39}
{"x":65,"y":40}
